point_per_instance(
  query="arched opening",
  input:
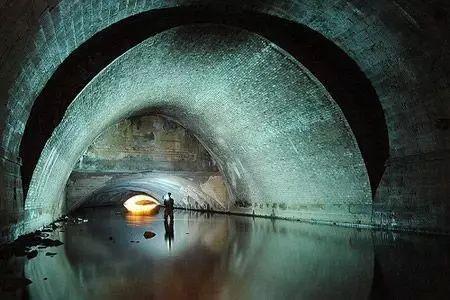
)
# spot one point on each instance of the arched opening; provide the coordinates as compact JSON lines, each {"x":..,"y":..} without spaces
{"x":224,"y":110}
{"x":146,"y":154}
{"x":353,"y":92}
{"x":280,"y":97}
{"x":143,"y":205}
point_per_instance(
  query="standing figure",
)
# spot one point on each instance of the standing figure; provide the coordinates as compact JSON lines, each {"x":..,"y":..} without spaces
{"x":168,"y":207}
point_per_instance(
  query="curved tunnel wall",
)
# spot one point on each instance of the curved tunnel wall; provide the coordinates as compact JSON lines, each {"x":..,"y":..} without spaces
{"x":295,"y":156}
{"x":145,"y":143}
{"x":386,"y":39}
{"x":192,"y":191}
{"x":353,"y":92}
{"x":151,"y":154}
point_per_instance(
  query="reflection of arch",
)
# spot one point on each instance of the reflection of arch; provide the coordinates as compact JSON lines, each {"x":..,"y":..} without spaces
{"x":266,"y":120}
{"x":348,"y":86}
{"x":246,"y":246}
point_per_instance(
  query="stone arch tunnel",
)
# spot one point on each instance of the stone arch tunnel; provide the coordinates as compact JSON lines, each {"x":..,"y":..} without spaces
{"x":332,"y":112}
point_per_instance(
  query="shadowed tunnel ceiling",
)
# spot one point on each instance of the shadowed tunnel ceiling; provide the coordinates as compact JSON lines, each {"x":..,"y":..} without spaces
{"x":212,"y":80}
{"x":149,"y":154}
{"x":341,"y":76}
{"x":155,"y":184}
{"x":340,"y":108}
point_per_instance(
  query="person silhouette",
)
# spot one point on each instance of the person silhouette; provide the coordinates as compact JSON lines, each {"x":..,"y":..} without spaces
{"x":169,"y":234}
{"x":168,"y":207}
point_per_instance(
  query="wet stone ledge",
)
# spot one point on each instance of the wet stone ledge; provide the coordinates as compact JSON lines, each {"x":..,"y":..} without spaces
{"x":27,"y":247}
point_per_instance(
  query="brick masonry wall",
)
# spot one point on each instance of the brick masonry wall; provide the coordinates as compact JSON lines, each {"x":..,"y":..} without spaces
{"x":200,"y":190}
{"x":145,"y":143}
{"x":400,"y":45}
{"x":303,"y":163}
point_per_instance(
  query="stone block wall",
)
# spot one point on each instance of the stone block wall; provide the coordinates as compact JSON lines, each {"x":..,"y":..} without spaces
{"x":146,"y":143}
{"x":196,"y":190}
{"x":400,"y":45}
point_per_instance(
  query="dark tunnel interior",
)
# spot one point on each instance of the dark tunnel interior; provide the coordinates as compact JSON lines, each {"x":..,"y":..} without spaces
{"x":353,"y":92}
{"x":205,"y":149}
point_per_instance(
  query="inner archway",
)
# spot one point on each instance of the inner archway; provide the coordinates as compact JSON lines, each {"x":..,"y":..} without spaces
{"x":146,"y":154}
{"x":264,"y":150}
{"x":353,"y":92}
{"x":307,"y":113}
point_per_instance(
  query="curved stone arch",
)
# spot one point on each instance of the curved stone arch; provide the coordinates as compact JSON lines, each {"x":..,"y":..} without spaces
{"x":61,"y":28}
{"x":352,"y":92}
{"x":225,"y":85}
{"x":385,"y":39}
{"x":184,"y":191}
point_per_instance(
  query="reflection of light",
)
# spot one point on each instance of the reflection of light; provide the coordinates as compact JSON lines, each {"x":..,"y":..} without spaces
{"x":142,"y":205}
{"x":134,"y":219}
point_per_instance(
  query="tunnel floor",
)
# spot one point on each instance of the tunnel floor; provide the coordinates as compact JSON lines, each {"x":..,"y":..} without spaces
{"x":216,"y":256}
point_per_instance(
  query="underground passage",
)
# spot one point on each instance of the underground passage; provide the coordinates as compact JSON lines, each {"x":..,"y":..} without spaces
{"x":260,"y":149}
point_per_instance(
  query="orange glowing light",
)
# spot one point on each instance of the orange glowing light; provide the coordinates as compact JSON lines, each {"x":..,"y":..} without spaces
{"x":141,"y":205}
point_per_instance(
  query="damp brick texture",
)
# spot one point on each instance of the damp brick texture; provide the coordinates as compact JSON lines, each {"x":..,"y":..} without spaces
{"x":213,"y":79}
{"x":145,"y":143}
{"x":400,"y":46}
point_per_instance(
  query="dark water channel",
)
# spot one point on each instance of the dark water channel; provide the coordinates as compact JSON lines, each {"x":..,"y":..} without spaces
{"x":233,"y":257}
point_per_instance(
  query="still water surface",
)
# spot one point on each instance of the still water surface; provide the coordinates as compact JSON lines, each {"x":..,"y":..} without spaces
{"x":206,"y":256}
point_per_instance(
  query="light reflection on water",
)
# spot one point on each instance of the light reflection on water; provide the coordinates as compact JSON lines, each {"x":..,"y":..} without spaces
{"x":217,"y":257}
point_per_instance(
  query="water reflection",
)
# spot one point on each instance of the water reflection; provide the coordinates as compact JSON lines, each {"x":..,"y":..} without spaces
{"x":168,"y":235}
{"x":232,"y":257}
{"x":138,"y":219}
